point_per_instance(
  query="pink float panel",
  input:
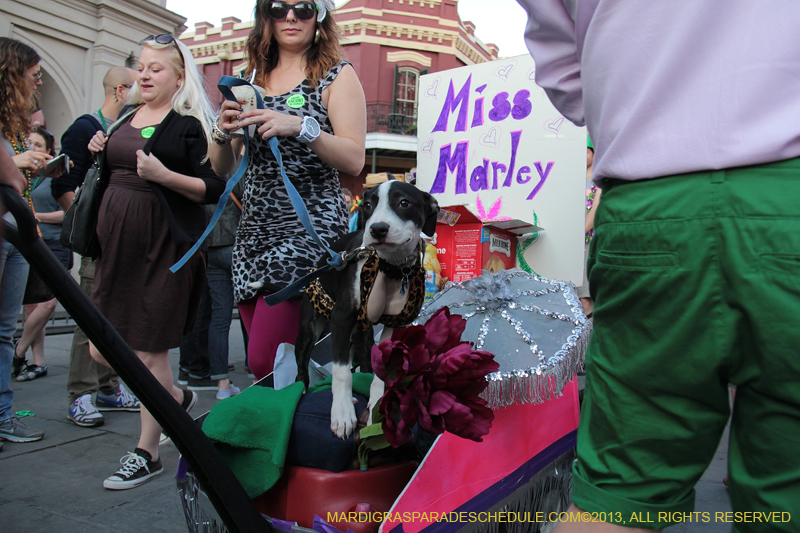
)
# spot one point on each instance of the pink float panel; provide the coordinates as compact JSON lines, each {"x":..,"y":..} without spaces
{"x":457,"y":470}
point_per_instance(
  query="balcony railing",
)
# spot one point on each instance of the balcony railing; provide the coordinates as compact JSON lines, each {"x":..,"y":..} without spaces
{"x":388,"y":118}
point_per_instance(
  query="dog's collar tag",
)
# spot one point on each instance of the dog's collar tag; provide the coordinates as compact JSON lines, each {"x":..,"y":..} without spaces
{"x":403,"y":284}
{"x":296,"y":101}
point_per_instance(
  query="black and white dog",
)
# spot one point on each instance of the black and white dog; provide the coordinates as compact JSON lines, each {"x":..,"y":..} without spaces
{"x":382,"y":283}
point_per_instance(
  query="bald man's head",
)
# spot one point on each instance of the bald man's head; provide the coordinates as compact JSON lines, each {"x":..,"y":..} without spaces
{"x":117,"y":76}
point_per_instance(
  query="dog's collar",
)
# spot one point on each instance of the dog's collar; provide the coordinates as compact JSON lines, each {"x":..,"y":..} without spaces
{"x":401,"y":271}
{"x":398,"y":271}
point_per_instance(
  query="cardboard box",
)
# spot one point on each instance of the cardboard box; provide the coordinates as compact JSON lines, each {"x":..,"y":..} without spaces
{"x":373,"y":180}
{"x":465,"y":246}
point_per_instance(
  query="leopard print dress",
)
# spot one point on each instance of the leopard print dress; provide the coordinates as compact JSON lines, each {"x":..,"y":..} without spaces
{"x":272,"y":246}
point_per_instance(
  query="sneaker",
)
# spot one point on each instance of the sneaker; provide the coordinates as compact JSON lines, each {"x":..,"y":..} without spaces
{"x":231,"y":367}
{"x":32,"y":372}
{"x":249,"y":374}
{"x":13,"y":430}
{"x":137,"y":468}
{"x":189,"y":399}
{"x":205,"y":383}
{"x":83,"y":412}
{"x":183,"y":377}
{"x":122,"y":400}
{"x":222,"y":394}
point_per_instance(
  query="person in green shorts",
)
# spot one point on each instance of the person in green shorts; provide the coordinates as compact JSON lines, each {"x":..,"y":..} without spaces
{"x":694,"y":112}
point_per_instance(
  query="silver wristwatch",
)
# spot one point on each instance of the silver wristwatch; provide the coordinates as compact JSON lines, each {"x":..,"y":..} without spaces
{"x":310,"y":130}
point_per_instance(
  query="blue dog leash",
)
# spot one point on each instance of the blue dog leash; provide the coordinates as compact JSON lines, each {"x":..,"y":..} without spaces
{"x":337,"y":261}
{"x":225,"y":84}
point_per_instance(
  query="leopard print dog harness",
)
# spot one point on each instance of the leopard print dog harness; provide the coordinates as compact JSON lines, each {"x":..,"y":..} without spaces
{"x":323,"y":303}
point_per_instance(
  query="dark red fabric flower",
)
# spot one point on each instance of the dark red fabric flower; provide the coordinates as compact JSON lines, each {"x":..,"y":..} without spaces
{"x":469,"y":418}
{"x":443,"y":330}
{"x":390,"y":361}
{"x":463,"y":370}
{"x":398,"y":417}
{"x":434,"y":379}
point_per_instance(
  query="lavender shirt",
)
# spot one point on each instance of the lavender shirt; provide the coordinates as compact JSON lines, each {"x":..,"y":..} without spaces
{"x":672,"y":86}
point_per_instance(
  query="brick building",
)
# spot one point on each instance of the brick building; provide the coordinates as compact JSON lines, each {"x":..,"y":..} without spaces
{"x":391,"y":43}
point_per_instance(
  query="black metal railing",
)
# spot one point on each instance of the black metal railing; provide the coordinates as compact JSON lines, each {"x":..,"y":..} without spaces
{"x":390,"y":118}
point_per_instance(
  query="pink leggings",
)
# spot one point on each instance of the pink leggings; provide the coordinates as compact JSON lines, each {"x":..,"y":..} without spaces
{"x":267,"y":327}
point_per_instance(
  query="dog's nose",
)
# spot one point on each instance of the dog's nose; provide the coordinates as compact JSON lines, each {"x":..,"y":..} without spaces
{"x":379,"y":230}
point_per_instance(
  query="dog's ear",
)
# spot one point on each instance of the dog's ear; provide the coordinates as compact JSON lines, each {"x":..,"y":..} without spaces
{"x":431,"y":212}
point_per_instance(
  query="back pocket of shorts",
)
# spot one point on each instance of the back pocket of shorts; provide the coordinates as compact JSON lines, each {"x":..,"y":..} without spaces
{"x":785,"y":264}
{"x":638,"y":260}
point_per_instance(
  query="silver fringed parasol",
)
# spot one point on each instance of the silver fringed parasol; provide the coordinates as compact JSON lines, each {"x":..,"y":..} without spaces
{"x":534,"y":326}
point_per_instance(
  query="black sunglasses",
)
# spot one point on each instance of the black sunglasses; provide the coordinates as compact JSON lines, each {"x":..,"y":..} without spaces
{"x":302,"y":10}
{"x":164,"y":38}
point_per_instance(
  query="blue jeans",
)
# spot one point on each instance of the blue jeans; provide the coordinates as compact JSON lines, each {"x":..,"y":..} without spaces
{"x":12,"y":289}
{"x":205,"y":350}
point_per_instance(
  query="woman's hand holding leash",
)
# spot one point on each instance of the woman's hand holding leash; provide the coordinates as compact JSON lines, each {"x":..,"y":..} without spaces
{"x":229,"y":116}
{"x":273,"y":123}
{"x":98,"y":142}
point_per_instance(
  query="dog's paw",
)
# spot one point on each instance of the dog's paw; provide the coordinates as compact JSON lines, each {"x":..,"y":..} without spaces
{"x":256,"y":285}
{"x":343,"y":419}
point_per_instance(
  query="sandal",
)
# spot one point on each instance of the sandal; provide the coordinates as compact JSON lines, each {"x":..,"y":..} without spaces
{"x":32,"y":372}
{"x":19,"y":363}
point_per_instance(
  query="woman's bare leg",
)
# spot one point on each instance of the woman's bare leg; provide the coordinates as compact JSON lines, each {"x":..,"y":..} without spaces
{"x":158,"y":364}
{"x":36,"y":317}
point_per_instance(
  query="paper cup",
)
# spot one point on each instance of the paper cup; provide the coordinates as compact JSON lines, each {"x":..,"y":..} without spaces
{"x":246,"y":93}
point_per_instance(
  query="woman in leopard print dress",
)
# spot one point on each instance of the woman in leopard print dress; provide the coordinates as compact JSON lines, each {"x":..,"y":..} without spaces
{"x":295,"y":53}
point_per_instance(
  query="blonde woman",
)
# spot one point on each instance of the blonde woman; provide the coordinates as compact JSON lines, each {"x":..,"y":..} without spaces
{"x":155,"y":163}
{"x":315,"y":106}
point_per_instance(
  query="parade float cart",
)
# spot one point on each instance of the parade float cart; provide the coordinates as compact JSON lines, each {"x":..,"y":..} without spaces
{"x":514,"y":480}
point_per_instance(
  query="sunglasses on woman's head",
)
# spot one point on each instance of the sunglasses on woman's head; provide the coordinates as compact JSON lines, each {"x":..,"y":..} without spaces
{"x":164,"y":38}
{"x":302,"y":10}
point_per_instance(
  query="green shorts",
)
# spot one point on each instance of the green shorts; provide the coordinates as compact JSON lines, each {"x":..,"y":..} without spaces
{"x":696,"y":284}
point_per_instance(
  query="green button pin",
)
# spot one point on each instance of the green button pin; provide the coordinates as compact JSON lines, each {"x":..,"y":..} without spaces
{"x":148,"y":132}
{"x":296,"y":101}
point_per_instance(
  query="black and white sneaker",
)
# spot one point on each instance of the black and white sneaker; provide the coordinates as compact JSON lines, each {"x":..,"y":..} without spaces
{"x":189,"y":399}
{"x":137,"y":468}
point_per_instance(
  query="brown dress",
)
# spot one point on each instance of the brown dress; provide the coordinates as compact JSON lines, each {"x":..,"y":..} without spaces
{"x":146,"y":303}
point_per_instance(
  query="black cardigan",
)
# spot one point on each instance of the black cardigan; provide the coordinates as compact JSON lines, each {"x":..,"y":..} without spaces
{"x":180,"y":144}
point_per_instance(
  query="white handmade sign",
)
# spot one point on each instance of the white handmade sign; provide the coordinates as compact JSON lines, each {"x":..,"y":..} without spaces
{"x":489,"y":139}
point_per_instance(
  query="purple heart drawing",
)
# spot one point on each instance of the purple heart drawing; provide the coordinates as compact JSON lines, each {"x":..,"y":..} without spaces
{"x":503,"y":72}
{"x":433,"y":88}
{"x":554,"y":125}
{"x":490,"y":139}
